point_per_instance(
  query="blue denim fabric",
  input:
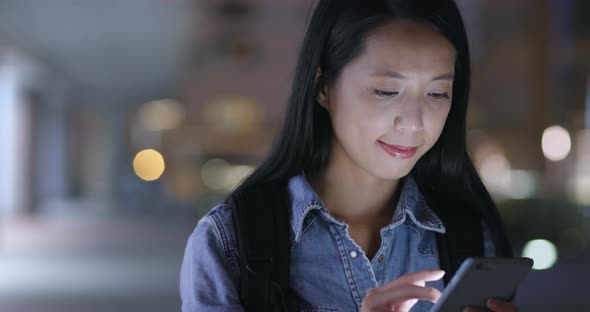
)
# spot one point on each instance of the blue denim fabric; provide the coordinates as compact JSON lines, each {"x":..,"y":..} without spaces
{"x":329,"y":271}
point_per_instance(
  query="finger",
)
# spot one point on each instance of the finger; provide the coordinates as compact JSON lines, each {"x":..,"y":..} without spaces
{"x":501,"y":305}
{"x":397,"y":296}
{"x":416,"y":278}
{"x":405,"y":306}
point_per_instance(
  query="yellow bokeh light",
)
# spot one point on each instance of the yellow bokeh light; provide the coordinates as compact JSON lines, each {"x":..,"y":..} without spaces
{"x":148,"y":164}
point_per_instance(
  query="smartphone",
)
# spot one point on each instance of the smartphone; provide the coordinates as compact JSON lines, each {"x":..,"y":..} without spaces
{"x":479,"y":279}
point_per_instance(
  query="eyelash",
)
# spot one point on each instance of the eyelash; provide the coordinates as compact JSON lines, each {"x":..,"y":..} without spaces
{"x":389,"y":94}
{"x":385,"y":94}
{"x":438,"y":96}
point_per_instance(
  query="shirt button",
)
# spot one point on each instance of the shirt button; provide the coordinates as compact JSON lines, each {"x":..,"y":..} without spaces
{"x":353,"y":254}
{"x":381,"y":258}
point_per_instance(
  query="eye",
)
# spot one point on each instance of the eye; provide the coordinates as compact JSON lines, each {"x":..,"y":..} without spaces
{"x":385,"y":94}
{"x":439,"y":95}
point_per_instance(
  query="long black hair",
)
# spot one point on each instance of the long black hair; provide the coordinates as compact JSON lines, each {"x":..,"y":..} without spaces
{"x":334,"y":36}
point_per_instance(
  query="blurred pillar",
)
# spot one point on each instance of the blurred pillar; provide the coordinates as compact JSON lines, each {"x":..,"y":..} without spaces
{"x":9,"y":149}
{"x":50,"y":145}
{"x":94,"y":131}
{"x":17,"y":76}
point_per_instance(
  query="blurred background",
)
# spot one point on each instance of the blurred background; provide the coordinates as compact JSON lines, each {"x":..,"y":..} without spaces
{"x":123,"y":122}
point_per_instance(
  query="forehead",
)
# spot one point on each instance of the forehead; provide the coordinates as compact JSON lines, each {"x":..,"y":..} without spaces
{"x":407,"y":47}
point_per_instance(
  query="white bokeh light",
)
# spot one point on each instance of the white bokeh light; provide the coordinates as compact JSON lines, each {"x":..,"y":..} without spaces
{"x":495,"y":172}
{"x":543,"y":253}
{"x":220,"y":175}
{"x":556,"y":143}
{"x":213,"y":173}
{"x":164,"y":114}
{"x":523,"y":184}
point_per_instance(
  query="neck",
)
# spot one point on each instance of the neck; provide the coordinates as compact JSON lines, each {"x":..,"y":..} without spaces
{"x":350,"y":193}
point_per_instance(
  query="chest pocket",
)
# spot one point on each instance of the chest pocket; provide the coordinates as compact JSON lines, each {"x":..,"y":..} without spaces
{"x":427,"y":244}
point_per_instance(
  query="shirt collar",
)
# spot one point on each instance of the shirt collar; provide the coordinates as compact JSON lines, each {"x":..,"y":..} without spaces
{"x":411,"y":203}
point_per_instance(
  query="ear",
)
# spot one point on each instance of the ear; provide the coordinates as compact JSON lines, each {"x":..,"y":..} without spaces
{"x":322,"y":96}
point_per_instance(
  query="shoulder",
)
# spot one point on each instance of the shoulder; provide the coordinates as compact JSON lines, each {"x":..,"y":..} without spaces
{"x":217,"y":224}
{"x":214,"y":234}
{"x":210,"y":273}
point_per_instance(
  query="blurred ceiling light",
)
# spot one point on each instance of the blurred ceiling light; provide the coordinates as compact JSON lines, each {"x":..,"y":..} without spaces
{"x":556,"y":143}
{"x":159,"y":115}
{"x":543,"y":253}
{"x":148,"y":164}
{"x":231,"y":113}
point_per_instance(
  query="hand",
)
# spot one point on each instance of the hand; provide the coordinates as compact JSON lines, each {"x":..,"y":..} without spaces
{"x":402,"y":293}
{"x":496,"y":305}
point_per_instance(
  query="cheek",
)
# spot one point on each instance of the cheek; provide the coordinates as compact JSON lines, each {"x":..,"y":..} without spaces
{"x":434,"y":123}
{"x":355,"y":119}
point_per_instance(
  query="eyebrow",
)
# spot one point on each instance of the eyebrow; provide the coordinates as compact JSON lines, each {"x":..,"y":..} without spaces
{"x":396,"y":75}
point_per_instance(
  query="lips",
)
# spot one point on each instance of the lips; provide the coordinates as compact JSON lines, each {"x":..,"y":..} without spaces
{"x":398,"y":151}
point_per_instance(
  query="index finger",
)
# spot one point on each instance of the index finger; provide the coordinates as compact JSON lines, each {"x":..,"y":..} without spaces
{"x":416,"y":278}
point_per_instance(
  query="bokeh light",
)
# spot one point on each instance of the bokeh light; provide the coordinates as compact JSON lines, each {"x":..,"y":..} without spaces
{"x":161,"y":114}
{"x":579,"y":186}
{"x":236,"y":174}
{"x":556,"y":143}
{"x":543,"y":253}
{"x":213,"y":173}
{"x":523,"y":184}
{"x":231,"y":113}
{"x":580,"y":189}
{"x":148,"y":164}
{"x":495,"y":172}
{"x":220,"y":175}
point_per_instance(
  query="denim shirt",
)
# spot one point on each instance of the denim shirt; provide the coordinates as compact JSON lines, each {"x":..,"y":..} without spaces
{"x":329,"y":271}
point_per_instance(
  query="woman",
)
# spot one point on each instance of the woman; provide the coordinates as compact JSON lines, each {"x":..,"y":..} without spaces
{"x":373,"y":155}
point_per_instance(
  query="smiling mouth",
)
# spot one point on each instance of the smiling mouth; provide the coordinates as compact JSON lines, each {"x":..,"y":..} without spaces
{"x":398,"y":151}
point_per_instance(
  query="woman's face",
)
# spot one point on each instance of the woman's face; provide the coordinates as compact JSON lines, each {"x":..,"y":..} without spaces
{"x":397,"y":92}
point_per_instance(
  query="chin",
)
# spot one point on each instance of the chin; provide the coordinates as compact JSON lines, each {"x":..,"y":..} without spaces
{"x":392,"y":172}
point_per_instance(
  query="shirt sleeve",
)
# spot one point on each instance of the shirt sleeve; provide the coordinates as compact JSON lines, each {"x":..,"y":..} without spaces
{"x":207,"y":282}
{"x":489,"y":250}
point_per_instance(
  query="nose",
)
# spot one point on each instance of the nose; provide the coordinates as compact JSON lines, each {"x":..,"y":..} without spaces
{"x":409,"y":118}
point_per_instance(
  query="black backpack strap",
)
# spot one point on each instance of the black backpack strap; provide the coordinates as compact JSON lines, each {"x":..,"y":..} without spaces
{"x":463,"y":239}
{"x":261,"y":219}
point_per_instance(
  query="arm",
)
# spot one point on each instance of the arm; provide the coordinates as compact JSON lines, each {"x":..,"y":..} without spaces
{"x":207,"y":282}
